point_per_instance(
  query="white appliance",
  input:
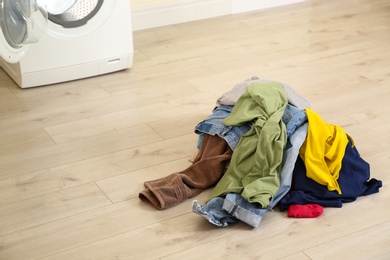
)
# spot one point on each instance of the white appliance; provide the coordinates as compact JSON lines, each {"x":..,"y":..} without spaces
{"x":51,"y":41}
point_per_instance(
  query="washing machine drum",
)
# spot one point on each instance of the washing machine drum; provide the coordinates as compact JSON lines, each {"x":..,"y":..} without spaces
{"x":77,"y":14}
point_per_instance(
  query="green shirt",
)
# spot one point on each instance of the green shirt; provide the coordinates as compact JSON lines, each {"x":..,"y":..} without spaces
{"x":254,"y":170}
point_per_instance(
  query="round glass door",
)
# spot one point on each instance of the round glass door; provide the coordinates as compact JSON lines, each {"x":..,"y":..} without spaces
{"x":22,"y":22}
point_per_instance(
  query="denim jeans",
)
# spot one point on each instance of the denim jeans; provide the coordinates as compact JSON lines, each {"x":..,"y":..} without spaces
{"x":221,"y":211}
{"x":213,"y":125}
{"x":293,"y":117}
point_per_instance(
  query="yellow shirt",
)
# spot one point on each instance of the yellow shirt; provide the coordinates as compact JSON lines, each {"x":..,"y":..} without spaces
{"x":323,"y":151}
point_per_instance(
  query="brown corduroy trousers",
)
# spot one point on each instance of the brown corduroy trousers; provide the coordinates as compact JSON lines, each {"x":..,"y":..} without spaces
{"x":209,"y":165}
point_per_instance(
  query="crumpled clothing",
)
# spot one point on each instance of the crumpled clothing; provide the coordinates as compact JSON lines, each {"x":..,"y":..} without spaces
{"x":305,"y":211}
{"x":213,"y":125}
{"x":222,"y":211}
{"x":323,"y":151}
{"x":213,"y":213}
{"x":232,"y":96}
{"x":209,"y":165}
{"x":254,"y":170}
{"x":354,"y":181}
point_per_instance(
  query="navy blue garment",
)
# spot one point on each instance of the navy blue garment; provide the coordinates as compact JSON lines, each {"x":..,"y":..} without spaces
{"x":353,"y":180}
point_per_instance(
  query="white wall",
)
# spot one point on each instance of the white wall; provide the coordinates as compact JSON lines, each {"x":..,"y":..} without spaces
{"x":149,"y":3}
{"x":154,"y":13}
{"x":239,"y":6}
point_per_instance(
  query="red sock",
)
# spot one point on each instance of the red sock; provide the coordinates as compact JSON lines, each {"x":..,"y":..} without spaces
{"x":305,"y":211}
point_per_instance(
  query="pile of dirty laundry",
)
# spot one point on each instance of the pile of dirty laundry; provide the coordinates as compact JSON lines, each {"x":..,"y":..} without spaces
{"x":261,"y":147}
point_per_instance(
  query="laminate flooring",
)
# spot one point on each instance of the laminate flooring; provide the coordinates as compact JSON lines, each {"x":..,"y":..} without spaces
{"x":74,"y":155}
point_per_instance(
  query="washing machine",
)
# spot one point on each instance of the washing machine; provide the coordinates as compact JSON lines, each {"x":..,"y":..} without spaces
{"x":50,"y":41}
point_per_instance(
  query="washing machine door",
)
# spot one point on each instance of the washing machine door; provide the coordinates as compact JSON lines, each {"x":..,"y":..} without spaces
{"x":22,"y":22}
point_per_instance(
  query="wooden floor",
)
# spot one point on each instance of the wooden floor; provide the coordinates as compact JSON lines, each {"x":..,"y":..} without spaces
{"x":74,"y":156}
